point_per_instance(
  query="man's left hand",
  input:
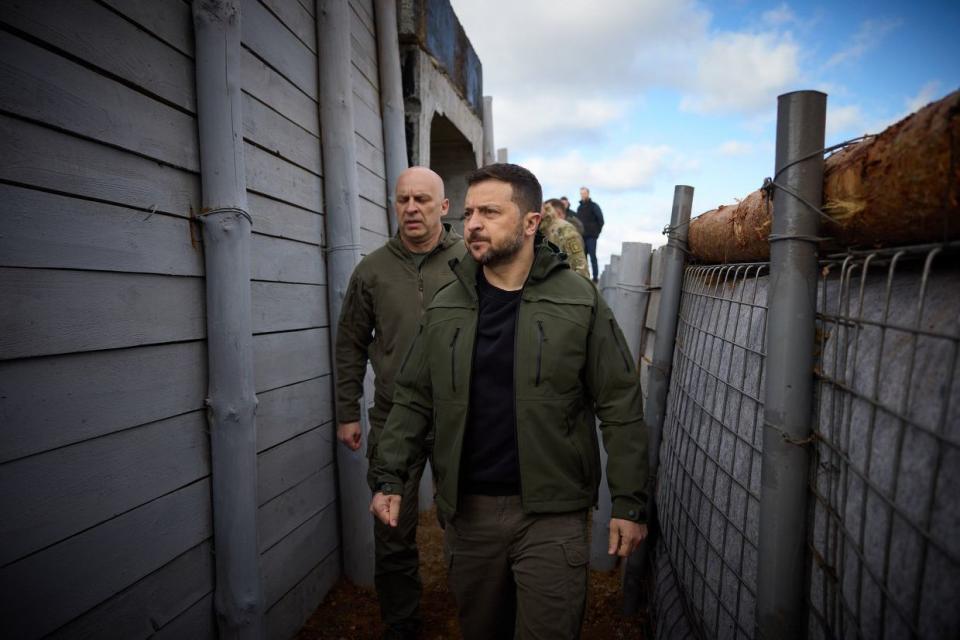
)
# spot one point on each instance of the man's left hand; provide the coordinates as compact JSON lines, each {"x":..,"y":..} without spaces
{"x":625,"y":536}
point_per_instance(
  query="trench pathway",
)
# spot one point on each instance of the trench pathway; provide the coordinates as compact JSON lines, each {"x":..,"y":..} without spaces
{"x":351,"y":613}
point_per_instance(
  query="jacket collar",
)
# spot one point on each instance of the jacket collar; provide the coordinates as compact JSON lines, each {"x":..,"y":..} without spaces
{"x":545,"y":262}
{"x":448,"y":238}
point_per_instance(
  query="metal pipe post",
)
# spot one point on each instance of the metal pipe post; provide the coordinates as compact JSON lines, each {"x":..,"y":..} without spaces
{"x":231,"y":397}
{"x":673,"y":258}
{"x":503,"y":155}
{"x":489,"y":155}
{"x":632,"y":294}
{"x":391,"y":101}
{"x":341,"y":195}
{"x":788,"y":393}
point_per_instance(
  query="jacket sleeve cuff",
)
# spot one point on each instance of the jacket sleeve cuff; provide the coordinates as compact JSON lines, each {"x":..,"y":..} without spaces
{"x":626,"y":509}
{"x":387,"y":484}
{"x":348,"y":413}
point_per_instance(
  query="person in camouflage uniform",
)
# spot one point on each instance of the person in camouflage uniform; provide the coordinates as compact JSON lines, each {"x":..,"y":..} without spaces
{"x":561,"y":233}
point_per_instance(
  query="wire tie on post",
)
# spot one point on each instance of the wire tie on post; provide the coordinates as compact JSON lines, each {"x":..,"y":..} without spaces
{"x":236,"y":210}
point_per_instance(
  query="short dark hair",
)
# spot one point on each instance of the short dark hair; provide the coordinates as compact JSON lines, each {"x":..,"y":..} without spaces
{"x":555,"y":203}
{"x":527,"y":193}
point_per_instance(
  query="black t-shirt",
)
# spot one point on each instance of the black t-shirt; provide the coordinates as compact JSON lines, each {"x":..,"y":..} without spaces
{"x":489,"y":463}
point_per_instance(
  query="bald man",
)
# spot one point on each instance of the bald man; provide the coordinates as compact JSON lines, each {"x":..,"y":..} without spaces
{"x":385,"y":300}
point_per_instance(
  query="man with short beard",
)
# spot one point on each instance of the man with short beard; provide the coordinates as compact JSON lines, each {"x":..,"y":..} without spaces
{"x":511,"y":361}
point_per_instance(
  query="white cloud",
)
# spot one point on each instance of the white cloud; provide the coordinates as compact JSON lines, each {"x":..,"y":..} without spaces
{"x":927,"y":94}
{"x":869,"y":36}
{"x":743,"y":72}
{"x":845,"y":121}
{"x":542,"y":59}
{"x":635,"y":167}
{"x":733,"y":148}
{"x":780,"y":16}
{"x":532,"y":119}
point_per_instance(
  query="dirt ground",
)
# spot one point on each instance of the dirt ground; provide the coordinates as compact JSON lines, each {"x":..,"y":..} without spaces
{"x":351,"y":613}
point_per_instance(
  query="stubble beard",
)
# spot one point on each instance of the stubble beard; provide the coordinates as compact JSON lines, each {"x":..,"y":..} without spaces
{"x":495,"y":256}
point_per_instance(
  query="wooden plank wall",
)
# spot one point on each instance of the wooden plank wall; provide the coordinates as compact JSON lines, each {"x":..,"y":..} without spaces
{"x":104,"y":457}
{"x":368,"y":126}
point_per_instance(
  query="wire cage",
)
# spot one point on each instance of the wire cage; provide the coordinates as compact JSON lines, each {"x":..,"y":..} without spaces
{"x":708,"y":496}
{"x":884,"y":516}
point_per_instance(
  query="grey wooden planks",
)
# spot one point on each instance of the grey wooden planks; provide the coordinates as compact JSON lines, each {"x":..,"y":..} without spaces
{"x":148,"y":604}
{"x":88,"y":483}
{"x":41,"y":229}
{"x":297,"y":19}
{"x":268,"y":86}
{"x":280,"y":136}
{"x":286,"y":412}
{"x":41,"y":85}
{"x":60,"y":400}
{"x":287,"y":615}
{"x":281,"y":359}
{"x":53,"y":311}
{"x":278,"y":517}
{"x":263,"y":33}
{"x":52,"y":160}
{"x":293,"y":461}
{"x":95,"y":564}
{"x":167,"y":20}
{"x":288,"y":562}
{"x":283,"y":260}
{"x":279,"y":179}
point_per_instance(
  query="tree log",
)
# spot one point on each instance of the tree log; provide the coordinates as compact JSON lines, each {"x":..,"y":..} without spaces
{"x":898,"y":188}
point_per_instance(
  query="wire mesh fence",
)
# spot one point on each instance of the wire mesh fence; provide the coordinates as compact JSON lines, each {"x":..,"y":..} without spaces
{"x":884,"y":513}
{"x":709,"y":487}
{"x":885,"y":476}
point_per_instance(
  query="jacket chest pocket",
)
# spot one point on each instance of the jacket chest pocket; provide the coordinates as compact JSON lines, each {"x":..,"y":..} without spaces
{"x":559,"y":343}
{"x":449,"y":358}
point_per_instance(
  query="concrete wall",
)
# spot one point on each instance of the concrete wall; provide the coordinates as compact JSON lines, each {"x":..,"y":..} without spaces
{"x":443,"y":96}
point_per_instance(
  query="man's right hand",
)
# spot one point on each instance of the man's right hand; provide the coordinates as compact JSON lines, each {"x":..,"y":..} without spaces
{"x":386,"y":507}
{"x":349,"y":434}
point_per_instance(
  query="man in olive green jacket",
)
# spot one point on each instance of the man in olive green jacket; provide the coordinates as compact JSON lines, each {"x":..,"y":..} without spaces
{"x":509,"y":362}
{"x":385,"y":301}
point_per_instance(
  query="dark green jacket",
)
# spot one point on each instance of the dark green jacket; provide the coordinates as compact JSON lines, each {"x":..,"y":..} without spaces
{"x":385,"y":302}
{"x":570,"y":359}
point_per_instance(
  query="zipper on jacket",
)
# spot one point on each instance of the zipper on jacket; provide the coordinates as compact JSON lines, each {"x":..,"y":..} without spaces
{"x":541,"y":338}
{"x":626,"y":360}
{"x":420,"y":290}
{"x":453,"y":359}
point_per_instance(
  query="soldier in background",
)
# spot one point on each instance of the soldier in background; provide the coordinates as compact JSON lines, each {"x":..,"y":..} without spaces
{"x":570,"y":216}
{"x":563,"y":234}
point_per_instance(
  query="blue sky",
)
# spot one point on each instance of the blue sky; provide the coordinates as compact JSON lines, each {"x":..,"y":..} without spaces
{"x":631,"y":97}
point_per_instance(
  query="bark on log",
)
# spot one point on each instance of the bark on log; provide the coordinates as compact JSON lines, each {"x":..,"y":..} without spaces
{"x":901,"y":187}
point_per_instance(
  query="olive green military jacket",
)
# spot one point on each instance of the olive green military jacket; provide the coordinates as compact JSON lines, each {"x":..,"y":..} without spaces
{"x":570,"y":359}
{"x":385,"y":301}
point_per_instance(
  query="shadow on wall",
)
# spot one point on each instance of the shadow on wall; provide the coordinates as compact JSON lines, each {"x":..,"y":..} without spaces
{"x":451,"y":156}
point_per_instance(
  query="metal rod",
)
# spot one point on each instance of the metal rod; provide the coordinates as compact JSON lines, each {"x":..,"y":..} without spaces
{"x":231,"y":396}
{"x":489,"y":155}
{"x":788,"y":392}
{"x":673,"y":259}
{"x":341,"y":195}
{"x":391,"y":100}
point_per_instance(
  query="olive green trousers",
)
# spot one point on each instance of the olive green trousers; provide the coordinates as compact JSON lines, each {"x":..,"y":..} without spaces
{"x":516,"y":575}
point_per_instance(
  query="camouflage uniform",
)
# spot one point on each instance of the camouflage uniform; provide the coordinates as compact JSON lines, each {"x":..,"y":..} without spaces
{"x":565,"y":236}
